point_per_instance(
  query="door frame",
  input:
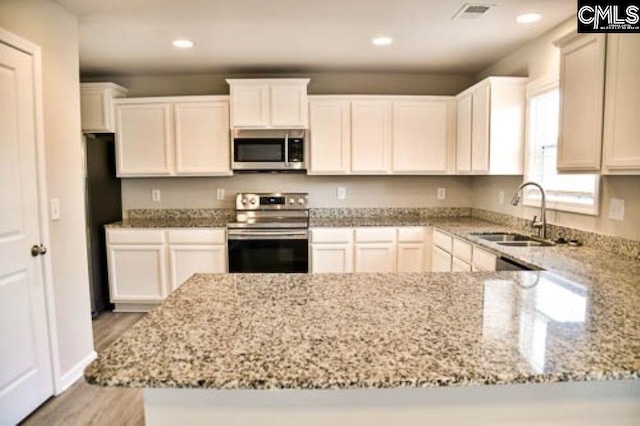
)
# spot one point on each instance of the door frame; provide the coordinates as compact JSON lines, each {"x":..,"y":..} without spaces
{"x":33,"y":50}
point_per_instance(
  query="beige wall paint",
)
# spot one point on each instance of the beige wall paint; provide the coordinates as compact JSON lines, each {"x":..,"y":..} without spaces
{"x":362,"y":191}
{"x":321,"y":83}
{"x":539,"y":59}
{"x":55,"y":30}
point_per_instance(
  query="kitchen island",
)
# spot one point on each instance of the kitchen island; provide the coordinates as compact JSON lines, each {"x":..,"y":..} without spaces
{"x":382,"y":348}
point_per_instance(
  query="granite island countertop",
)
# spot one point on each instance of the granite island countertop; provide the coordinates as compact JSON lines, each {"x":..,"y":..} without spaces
{"x":330,"y":331}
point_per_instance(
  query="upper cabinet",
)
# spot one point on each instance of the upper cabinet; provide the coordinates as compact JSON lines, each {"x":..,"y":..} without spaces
{"x":269,"y":103}
{"x":621,"y":143}
{"x":381,"y":134}
{"x":582,"y":67}
{"x":490,"y":127}
{"x":96,"y":103}
{"x":173,"y":136}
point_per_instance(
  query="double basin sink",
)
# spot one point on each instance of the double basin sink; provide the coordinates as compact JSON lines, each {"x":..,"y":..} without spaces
{"x":512,"y":239}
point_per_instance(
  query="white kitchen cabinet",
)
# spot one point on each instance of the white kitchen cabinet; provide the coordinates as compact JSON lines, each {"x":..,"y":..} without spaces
{"x":173,"y":136}
{"x":332,"y":250}
{"x":195,"y":251}
{"x":458,"y":265}
{"x":371,"y":136}
{"x":269,"y":103}
{"x":441,"y":260}
{"x":490,"y":127}
{"x":375,"y":249}
{"x":137,"y":267}
{"x":483,"y":260}
{"x":96,"y":106}
{"x":146,"y":265}
{"x":411,"y":257}
{"x":582,"y":68}
{"x":621,"y":144}
{"x":422,"y":135}
{"x":202,"y":145}
{"x":329,"y":136}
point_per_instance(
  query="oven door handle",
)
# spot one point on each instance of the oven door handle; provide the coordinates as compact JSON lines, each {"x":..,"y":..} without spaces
{"x":268,"y":235}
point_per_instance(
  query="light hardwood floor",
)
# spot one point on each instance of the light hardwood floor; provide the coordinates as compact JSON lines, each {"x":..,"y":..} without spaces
{"x":84,"y":404}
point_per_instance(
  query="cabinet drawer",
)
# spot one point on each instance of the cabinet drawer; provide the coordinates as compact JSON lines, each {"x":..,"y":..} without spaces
{"x":460,"y":266}
{"x":196,"y":236}
{"x":462,"y":250}
{"x":411,"y":234}
{"x":483,"y":259}
{"x":135,"y":236}
{"x":442,"y":240}
{"x":332,"y":235}
{"x":375,"y":235}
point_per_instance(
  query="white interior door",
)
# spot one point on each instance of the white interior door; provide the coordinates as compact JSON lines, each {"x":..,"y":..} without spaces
{"x":25,"y":367}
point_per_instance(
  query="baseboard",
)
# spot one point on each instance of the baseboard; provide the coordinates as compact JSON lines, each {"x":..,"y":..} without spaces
{"x":71,"y":376}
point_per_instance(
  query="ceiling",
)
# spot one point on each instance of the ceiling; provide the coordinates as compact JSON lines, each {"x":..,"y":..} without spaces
{"x":244,"y":36}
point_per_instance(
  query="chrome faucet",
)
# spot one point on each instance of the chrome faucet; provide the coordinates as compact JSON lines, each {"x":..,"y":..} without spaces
{"x":540,"y":226}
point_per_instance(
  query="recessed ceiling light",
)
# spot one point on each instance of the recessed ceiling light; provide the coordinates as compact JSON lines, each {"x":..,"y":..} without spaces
{"x":183,"y":44}
{"x":528,"y":18}
{"x":382,"y":41}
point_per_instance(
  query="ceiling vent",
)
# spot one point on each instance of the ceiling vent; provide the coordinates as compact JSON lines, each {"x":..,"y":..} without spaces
{"x":472,"y":11}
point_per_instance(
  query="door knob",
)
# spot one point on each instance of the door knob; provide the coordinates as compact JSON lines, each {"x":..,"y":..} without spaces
{"x":38,"y":250}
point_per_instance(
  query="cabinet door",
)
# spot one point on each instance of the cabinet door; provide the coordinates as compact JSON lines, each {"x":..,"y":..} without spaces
{"x":202,"y":138}
{"x":137,"y":273}
{"x":289,"y":105}
{"x":463,"y":145}
{"x":440,"y":261}
{"x":458,"y":265}
{"x":371,"y":137}
{"x":622,"y":105}
{"x":250,"y":105}
{"x":331,"y":258}
{"x":330,"y":136}
{"x":186,"y":260}
{"x":143,"y":139}
{"x":375,"y":257}
{"x":411,"y":257}
{"x":96,"y":113}
{"x":420,"y":137}
{"x":481,"y":110}
{"x":581,"y":106}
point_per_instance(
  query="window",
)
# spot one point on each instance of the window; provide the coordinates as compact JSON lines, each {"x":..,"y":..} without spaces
{"x":569,"y":192}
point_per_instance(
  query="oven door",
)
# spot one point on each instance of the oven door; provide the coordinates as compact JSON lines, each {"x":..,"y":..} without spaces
{"x":268,"y":251}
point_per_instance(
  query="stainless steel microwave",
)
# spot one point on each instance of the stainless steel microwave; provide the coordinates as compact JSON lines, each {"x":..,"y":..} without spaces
{"x":269,"y":150}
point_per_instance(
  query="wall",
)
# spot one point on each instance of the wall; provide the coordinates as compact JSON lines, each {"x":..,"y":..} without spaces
{"x":537,"y":59}
{"x":45,"y":23}
{"x":362,"y":191}
{"x":321,"y":83}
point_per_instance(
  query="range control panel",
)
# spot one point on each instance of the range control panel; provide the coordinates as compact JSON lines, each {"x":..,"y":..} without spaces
{"x":272,"y":201}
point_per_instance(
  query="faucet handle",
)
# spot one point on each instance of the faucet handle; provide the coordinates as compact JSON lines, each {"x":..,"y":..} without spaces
{"x":535,"y":223}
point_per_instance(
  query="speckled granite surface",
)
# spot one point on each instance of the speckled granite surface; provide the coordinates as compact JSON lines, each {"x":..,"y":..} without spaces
{"x":329,"y":331}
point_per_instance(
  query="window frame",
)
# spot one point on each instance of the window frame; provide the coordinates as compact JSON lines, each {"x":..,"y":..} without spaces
{"x":536,"y":88}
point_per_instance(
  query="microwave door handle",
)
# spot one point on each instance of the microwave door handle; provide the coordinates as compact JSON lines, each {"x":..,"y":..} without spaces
{"x":286,"y":149}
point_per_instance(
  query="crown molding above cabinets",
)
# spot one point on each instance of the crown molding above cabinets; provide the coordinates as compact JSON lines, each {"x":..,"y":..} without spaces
{"x":269,"y":103}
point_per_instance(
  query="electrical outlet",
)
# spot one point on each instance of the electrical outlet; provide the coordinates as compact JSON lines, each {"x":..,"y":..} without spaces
{"x":55,"y":209}
{"x":616,"y":208}
{"x":441,"y":194}
{"x":341,"y":193}
{"x":501,"y":197}
{"x":156,"y":195}
{"x":220,"y":194}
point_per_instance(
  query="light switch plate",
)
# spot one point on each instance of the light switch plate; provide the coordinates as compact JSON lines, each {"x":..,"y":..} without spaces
{"x":341,"y":193}
{"x":441,"y":194}
{"x":156,"y":195}
{"x":616,"y":209}
{"x":220,"y":194}
{"x":55,"y":209}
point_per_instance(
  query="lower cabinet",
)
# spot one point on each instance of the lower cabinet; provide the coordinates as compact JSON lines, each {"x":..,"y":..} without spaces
{"x":452,"y":254}
{"x":146,"y":265}
{"x":368,"y":249}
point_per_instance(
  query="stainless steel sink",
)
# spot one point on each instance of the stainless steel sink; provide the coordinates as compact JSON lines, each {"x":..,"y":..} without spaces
{"x":512,"y":239}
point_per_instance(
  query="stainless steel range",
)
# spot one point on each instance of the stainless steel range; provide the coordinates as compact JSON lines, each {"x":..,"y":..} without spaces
{"x":270,"y":234}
